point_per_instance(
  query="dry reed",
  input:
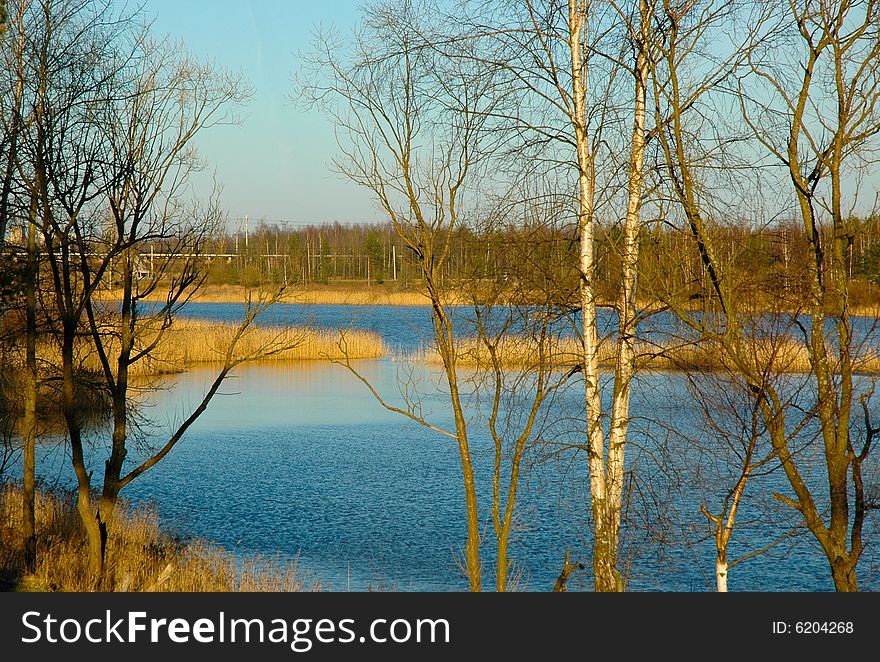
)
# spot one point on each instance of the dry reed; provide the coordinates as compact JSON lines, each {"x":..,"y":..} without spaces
{"x":140,"y":557}
{"x":192,"y":341}
{"x":321,"y":295}
{"x":780,"y":355}
{"x":195,"y":341}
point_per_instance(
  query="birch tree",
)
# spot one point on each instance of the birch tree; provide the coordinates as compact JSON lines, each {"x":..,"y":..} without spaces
{"x":574,"y":62}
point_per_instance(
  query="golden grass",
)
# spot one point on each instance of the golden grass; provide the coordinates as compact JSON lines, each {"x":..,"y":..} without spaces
{"x":377,"y":295}
{"x":139,"y":556}
{"x":783,"y":355}
{"x":360,"y":297}
{"x":513,"y":352}
{"x":193,"y":341}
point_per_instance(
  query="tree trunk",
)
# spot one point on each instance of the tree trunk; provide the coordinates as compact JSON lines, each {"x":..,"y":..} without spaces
{"x":29,"y":433}
{"x":626,"y":305}
{"x":721,"y":570}
{"x":503,"y":568}
{"x":114,"y":464}
{"x":604,"y":552}
{"x":843,"y":572}
{"x":472,"y":545}
{"x":94,"y":538}
{"x":91,"y":521}
{"x":445,"y":343}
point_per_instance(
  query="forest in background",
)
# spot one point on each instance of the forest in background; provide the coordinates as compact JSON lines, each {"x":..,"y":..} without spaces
{"x":372,"y":254}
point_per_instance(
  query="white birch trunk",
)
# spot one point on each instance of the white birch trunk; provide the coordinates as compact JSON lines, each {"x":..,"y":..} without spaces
{"x":626,"y":304}
{"x":577,"y":23}
{"x":721,"y":575}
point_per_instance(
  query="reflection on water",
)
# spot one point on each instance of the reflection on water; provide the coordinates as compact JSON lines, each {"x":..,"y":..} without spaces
{"x":287,"y":394}
{"x":298,"y":458}
{"x":302,"y":459}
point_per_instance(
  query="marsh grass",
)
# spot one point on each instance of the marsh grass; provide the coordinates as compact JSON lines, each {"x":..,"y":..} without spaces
{"x":779,"y":355}
{"x":190,"y":342}
{"x":140,"y":557}
{"x":357,"y":295}
{"x":362,"y":297}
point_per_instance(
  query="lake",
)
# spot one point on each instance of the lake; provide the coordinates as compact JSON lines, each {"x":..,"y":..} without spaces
{"x":299,"y":459}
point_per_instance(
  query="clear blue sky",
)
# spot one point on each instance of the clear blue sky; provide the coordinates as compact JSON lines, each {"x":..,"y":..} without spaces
{"x":276,"y":163}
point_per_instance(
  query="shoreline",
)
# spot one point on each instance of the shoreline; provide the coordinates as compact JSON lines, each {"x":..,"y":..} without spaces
{"x":374,"y":295}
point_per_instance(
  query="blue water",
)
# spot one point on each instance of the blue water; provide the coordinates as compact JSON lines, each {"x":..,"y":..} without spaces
{"x":408,"y":327}
{"x":402,"y":327}
{"x":299,"y":459}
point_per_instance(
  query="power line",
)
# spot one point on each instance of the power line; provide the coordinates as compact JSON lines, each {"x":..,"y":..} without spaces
{"x":283,"y":222}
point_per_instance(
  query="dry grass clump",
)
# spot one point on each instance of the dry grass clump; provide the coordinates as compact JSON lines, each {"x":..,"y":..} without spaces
{"x":355,"y":295}
{"x":139,"y":556}
{"x":191,"y":342}
{"x":774,"y":355}
{"x":779,"y":355}
{"x":512,"y":352}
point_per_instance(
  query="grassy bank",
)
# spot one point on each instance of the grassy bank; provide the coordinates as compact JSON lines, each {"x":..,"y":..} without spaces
{"x":359,"y":295}
{"x":140,"y":557}
{"x":190,"y":342}
{"x":785,"y":355}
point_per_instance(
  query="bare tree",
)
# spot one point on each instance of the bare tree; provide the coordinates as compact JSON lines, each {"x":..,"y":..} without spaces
{"x":149,"y":134}
{"x":107,"y":158}
{"x":831,"y":111}
{"x":809,"y":100}
{"x":518,"y":365}
{"x":410,"y":121}
{"x":572,"y":62}
{"x":389,"y":116}
{"x":14,"y":54}
{"x":11,"y":49}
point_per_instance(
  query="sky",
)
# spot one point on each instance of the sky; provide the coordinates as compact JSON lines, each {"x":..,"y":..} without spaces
{"x":275,"y":164}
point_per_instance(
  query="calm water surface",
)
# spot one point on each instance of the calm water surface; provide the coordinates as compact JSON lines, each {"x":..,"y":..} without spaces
{"x":299,"y":459}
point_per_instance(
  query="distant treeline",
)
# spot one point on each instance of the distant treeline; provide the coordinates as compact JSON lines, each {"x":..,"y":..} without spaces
{"x":769,"y":258}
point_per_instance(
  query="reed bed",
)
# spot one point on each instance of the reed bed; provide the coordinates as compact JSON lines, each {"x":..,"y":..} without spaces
{"x":779,"y":356}
{"x":330,"y":295}
{"x":190,"y":342}
{"x":361,"y":297}
{"x":357,"y":295}
{"x":140,"y":556}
